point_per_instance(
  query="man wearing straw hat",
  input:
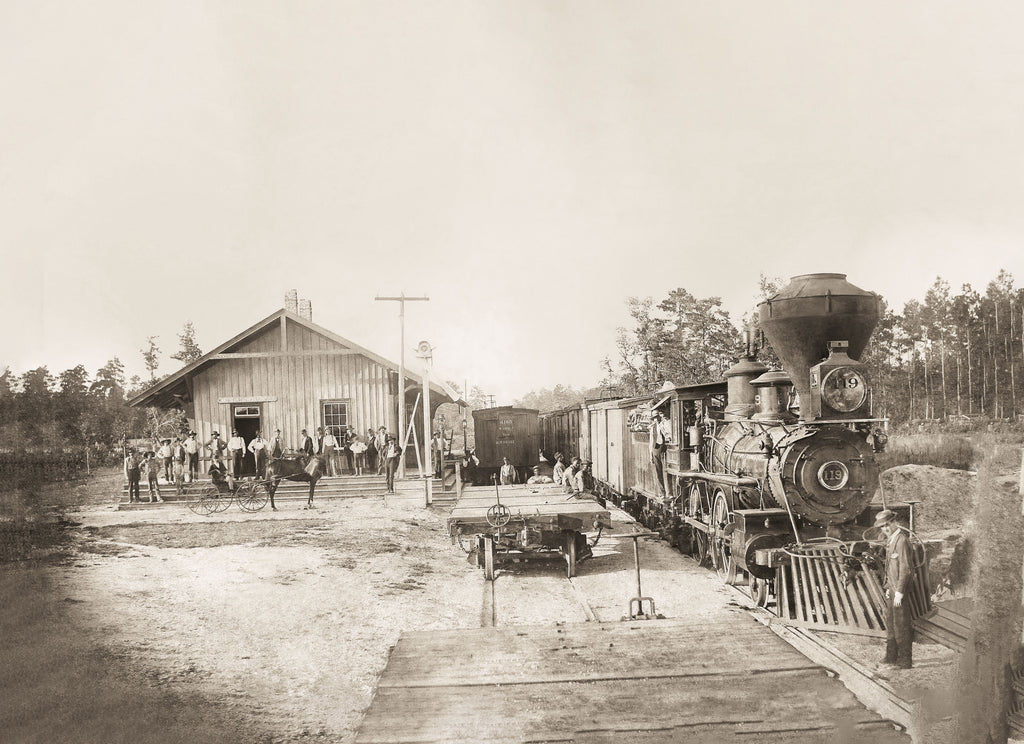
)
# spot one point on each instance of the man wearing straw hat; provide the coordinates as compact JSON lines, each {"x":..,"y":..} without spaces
{"x":899,"y":569}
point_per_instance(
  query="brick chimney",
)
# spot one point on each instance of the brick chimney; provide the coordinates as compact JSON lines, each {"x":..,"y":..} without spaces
{"x":306,"y":310}
{"x":291,"y":301}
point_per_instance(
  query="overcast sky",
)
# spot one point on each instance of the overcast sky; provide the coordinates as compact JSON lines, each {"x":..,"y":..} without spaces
{"x":528,"y":165}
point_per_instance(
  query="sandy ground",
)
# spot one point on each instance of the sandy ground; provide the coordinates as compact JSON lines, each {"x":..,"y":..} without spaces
{"x":163,"y":626}
{"x":274,"y":627}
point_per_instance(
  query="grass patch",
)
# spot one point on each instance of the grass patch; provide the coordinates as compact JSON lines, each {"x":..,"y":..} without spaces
{"x":950,"y":451}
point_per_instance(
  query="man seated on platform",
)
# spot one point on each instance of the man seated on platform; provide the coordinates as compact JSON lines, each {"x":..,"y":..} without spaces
{"x":559,"y":470}
{"x":537,"y":478}
{"x":569,"y":477}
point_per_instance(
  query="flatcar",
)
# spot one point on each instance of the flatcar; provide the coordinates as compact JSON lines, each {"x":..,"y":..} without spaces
{"x":768,"y":475}
{"x":503,"y":432}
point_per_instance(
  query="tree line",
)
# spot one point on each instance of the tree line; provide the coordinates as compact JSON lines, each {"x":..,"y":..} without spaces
{"x":951,"y":355}
{"x":69,"y":412}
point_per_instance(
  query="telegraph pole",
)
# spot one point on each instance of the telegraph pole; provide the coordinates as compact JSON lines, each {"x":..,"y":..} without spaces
{"x":401,"y":299}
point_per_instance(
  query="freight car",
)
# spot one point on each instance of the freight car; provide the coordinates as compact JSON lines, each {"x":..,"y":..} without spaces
{"x":769,"y":475}
{"x":502,"y":432}
{"x":565,"y":430}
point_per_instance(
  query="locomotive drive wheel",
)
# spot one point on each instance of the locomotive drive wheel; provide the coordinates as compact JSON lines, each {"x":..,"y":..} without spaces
{"x":488,"y":557}
{"x":758,"y":589}
{"x":721,"y":556}
{"x":700,"y":547}
{"x":569,"y":551}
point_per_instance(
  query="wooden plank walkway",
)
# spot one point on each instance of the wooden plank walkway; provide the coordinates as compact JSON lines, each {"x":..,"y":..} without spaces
{"x":653,"y":681}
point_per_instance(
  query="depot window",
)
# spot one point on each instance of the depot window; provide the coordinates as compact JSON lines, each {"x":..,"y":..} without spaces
{"x":335,"y":416}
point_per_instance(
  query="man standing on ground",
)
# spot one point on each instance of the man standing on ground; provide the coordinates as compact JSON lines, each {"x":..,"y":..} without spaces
{"x":392,"y":454}
{"x":898,"y":573}
{"x":133,"y":474}
{"x":382,"y":444}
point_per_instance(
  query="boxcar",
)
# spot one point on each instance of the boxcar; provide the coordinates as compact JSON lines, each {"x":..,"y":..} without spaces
{"x":506,"y":432}
{"x":566,"y":430}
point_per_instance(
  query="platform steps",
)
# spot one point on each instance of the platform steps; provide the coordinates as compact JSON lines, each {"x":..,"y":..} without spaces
{"x":948,"y":624}
{"x":347,"y":486}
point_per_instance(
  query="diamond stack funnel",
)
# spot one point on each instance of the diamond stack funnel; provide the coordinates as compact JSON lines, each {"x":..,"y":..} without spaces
{"x":806,"y":314}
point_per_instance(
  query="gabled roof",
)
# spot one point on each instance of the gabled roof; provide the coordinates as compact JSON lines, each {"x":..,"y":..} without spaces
{"x":168,"y":391}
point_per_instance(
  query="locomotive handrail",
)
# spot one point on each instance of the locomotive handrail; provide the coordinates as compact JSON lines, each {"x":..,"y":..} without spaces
{"x":724,"y":479}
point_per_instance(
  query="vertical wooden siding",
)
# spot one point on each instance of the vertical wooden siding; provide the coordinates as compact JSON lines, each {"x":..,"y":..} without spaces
{"x":297,"y":383}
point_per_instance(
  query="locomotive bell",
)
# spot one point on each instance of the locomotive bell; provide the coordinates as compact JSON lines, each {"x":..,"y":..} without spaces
{"x":808,"y":313}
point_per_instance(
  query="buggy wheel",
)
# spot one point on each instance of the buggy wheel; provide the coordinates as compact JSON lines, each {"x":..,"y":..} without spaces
{"x":252,"y":496}
{"x":215,"y":500}
{"x":569,"y":551}
{"x":488,"y":557}
{"x":194,"y":500}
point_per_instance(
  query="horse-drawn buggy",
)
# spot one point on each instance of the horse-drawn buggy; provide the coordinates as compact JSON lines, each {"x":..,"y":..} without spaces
{"x":251,"y":495}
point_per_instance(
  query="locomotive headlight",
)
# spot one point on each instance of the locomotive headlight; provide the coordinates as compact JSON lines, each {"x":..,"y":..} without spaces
{"x":844,"y":389}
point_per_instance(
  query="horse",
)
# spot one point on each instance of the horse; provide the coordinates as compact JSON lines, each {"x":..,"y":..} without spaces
{"x":297,"y":469}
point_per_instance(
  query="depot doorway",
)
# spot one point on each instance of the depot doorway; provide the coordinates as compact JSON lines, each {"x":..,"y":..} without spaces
{"x":247,"y":420}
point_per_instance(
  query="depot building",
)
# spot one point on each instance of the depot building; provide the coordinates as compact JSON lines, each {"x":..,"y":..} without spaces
{"x":286,"y":372}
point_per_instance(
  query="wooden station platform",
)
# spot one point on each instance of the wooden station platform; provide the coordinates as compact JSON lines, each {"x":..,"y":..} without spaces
{"x":654,"y":682}
{"x":545,"y":506}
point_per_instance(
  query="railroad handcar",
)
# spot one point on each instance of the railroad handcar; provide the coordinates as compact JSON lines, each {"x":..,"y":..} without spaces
{"x":502,"y":432}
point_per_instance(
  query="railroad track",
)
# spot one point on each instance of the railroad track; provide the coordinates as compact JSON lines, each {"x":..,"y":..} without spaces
{"x":491,"y":604}
{"x":871,"y":689}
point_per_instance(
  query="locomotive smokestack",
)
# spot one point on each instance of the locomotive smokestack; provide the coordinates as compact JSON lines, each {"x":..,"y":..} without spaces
{"x":808,"y":313}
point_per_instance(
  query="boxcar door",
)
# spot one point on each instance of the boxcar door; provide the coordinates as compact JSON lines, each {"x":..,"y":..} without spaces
{"x":599,"y":441}
{"x":615,"y":433}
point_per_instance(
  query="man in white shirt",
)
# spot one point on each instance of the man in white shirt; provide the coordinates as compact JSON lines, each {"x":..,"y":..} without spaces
{"x":559,"y":470}
{"x":191,"y":445}
{"x":236,"y":450}
{"x":258,"y":446}
{"x":328,"y":444}
{"x":657,"y":449}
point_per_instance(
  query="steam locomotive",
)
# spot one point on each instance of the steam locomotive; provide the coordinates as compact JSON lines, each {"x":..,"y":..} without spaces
{"x":768,"y":475}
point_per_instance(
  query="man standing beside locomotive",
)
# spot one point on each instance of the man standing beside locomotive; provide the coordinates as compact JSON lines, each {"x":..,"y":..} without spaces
{"x":898,"y":571}
{"x":657,"y":448}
